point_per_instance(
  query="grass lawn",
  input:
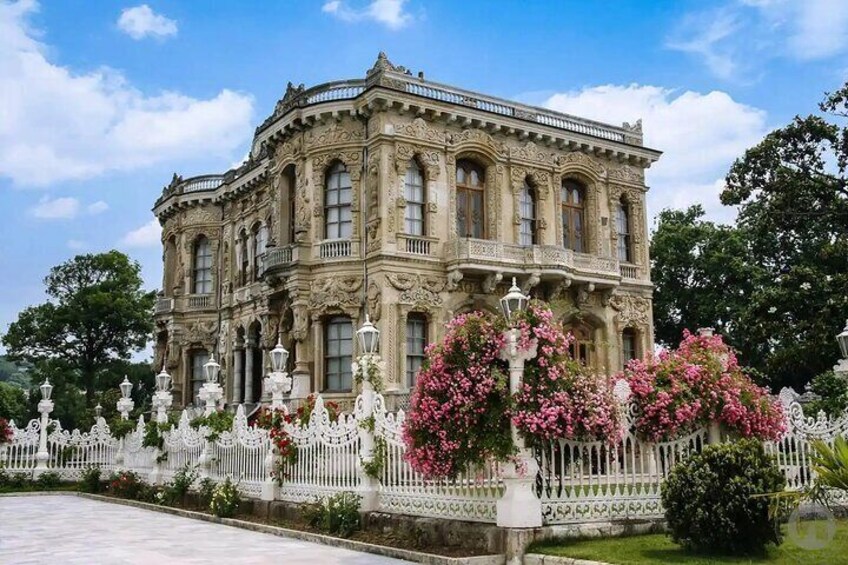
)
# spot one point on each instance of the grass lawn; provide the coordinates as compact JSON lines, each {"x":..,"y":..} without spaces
{"x":658,"y":548}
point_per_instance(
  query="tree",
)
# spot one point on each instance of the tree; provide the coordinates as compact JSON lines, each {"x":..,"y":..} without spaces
{"x":96,"y":314}
{"x":792,"y":194}
{"x":13,"y":404}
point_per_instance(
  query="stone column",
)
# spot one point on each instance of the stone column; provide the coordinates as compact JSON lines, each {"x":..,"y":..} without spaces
{"x":238,"y":374}
{"x":300,"y":376}
{"x":248,"y":371}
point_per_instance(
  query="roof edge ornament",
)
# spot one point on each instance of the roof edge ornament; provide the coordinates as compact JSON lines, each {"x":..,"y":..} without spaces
{"x":382,"y":64}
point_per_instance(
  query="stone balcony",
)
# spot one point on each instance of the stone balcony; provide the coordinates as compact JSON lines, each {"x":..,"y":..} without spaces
{"x":551,"y":262}
{"x":279,"y":260}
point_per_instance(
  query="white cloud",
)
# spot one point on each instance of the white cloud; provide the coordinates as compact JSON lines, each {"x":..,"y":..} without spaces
{"x":387,"y":12}
{"x":140,"y":22}
{"x":700,"y":135}
{"x":148,"y":235}
{"x":737,"y":38}
{"x":59,"y":125}
{"x":56,"y":209}
{"x":97,"y":207}
{"x":76,"y":244}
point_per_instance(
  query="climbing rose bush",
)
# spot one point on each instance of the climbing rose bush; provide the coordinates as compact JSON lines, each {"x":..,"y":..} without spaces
{"x":560,"y":397}
{"x":700,"y":382}
{"x":461,"y":408}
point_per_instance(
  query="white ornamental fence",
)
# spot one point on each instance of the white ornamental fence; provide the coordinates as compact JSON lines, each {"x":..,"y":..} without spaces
{"x":577,"y":482}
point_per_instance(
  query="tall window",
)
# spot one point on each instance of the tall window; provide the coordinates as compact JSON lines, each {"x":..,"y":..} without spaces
{"x":338,"y":354}
{"x":244,"y":252}
{"x":202,"y":266}
{"x":290,"y":204}
{"x":260,"y":242}
{"x":628,"y":345}
{"x":470,"y":210}
{"x":292,"y":226}
{"x":337,"y":198}
{"x":414,"y":195}
{"x":582,"y":347}
{"x":527,"y":209}
{"x":572,"y":216}
{"x":416,"y":342}
{"x":623,"y":228}
{"x":198,"y":359}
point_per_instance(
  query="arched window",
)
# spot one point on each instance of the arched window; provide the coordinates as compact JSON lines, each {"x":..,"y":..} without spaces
{"x":338,"y":354}
{"x":243,"y":258}
{"x":415,"y":200}
{"x":582,"y":346}
{"x":416,"y":342}
{"x":337,"y":199}
{"x":202,"y":266}
{"x":573,"y":236}
{"x":629,"y":347}
{"x":527,"y":210}
{"x":470,"y":208}
{"x":260,"y":242}
{"x":622,"y":224}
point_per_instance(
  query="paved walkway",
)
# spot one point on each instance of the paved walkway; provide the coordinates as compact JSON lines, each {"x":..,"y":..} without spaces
{"x":71,"y":530}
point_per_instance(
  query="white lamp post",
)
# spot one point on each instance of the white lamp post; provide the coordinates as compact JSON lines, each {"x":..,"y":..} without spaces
{"x":842,"y":339}
{"x":278,"y":382}
{"x":45,"y":406}
{"x":369,"y":337}
{"x":162,"y":398}
{"x":519,"y":507}
{"x":211,"y":392}
{"x":369,"y":342}
{"x":125,"y":403}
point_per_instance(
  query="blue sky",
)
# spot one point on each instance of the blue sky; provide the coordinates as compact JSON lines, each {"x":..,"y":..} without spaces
{"x":100,"y":102}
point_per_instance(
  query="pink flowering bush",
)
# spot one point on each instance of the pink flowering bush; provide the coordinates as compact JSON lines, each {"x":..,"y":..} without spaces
{"x":461,"y":408}
{"x":700,"y":382}
{"x":560,"y":397}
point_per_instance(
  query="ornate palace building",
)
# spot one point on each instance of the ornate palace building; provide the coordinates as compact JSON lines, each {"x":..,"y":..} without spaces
{"x":411,"y":201}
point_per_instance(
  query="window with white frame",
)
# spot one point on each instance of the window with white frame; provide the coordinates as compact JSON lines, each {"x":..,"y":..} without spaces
{"x":198,"y":359}
{"x":338,"y":193}
{"x":629,"y":348}
{"x":416,"y":343}
{"x":623,"y":229}
{"x":527,"y":210}
{"x":202,"y":266}
{"x":338,"y":354}
{"x":260,"y":242}
{"x":415,"y":200}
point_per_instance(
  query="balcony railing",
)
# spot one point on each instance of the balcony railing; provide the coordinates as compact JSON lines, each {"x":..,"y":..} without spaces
{"x":629,"y":272}
{"x":416,"y":245}
{"x":541,"y":257}
{"x":164,"y":305}
{"x":334,"y":248}
{"x":277,"y":257}
{"x":198,"y":301}
{"x":349,"y":89}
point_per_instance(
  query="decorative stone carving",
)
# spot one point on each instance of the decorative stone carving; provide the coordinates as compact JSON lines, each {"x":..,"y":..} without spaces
{"x":200,"y":215}
{"x":532,"y":281}
{"x":454,"y":276}
{"x":419,"y":129}
{"x":200,"y":332}
{"x":419,"y":291}
{"x":479,"y":138}
{"x":491,"y":282}
{"x":581,"y":159}
{"x":374,"y":303}
{"x":335,"y":293}
{"x":300,"y":326}
{"x":531,"y":152}
{"x":632,"y":310}
{"x":628,"y":173}
{"x":427,"y":158}
{"x":335,"y":134}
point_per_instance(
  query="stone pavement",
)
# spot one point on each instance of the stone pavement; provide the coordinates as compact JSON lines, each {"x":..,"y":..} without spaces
{"x":69,"y":530}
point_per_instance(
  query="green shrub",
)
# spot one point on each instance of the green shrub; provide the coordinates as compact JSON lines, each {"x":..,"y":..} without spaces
{"x":831,"y":392}
{"x":90,"y":480}
{"x":48,"y":480}
{"x":216,"y":423}
{"x":337,"y":514}
{"x":225,"y":499}
{"x":120,"y":428}
{"x":175,"y":492}
{"x":205,"y":491}
{"x":713,"y":500}
{"x":14,"y":481}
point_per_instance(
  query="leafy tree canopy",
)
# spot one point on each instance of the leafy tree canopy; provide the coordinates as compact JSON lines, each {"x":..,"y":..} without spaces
{"x":96,"y":314}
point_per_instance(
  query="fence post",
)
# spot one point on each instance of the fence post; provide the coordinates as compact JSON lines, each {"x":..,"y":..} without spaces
{"x":269,"y":486}
{"x":714,"y":433}
{"x":369,"y":487}
{"x":45,"y":406}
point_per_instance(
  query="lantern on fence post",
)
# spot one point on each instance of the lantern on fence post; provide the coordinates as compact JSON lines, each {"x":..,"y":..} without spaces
{"x":369,"y":337}
{"x":278,"y":382}
{"x":211,"y":392}
{"x":162,"y":398}
{"x":842,"y":339}
{"x":518,"y":507}
{"x":45,"y":406}
{"x":125,"y":403}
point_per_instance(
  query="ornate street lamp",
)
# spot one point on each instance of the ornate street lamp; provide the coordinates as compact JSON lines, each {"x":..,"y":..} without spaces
{"x":514,"y":301}
{"x":163,"y":381}
{"x":46,"y":390}
{"x":98,"y":410}
{"x":211,"y":368}
{"x":369,"y":337}
{"x":126,"y":387}
{"x":842,"y":339}
{"x":279,"y":357}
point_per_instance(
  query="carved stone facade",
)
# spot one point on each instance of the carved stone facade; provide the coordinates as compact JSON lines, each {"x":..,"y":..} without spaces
{"x":276,"y":276}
